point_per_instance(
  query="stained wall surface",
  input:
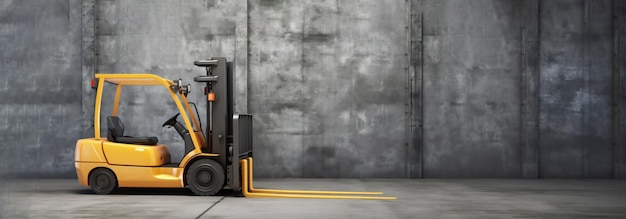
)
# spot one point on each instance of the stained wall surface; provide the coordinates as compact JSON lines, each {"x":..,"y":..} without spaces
{"x":327,"y":88}
{"x":387,"y":89}
{"x":40,"y":86}
{"x":575,"y":121}
{"x":163,"y":38}
{"x":471,"y":73}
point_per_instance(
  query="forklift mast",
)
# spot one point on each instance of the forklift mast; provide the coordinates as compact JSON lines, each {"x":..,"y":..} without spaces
{"x":228,"y":134}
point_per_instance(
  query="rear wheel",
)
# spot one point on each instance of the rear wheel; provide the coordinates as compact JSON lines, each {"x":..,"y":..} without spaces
{"x":205,"y":177}
{"x":102,"y":181}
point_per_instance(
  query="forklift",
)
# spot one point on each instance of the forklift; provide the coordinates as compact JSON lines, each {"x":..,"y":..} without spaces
{"x":218,"y":158}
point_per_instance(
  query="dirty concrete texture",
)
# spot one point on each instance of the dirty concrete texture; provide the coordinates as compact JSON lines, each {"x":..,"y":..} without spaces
{"x":575,"y":89}
{"x":471,"y":89}
{"x":506,"y":89}
{"x":40,"y":95}
{"x":425,"y":198}
{"x":326,"y":105}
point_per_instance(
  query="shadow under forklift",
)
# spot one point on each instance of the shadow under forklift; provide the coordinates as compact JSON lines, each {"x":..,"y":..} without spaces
{"x":221,"y":157}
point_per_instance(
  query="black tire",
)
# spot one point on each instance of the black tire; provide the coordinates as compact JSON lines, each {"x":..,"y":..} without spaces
{"x":205,"y":177}
{"x":102,"y":181}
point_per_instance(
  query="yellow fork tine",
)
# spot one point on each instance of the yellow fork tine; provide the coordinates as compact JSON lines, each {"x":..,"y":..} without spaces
{"x":247,"y":192}
{"x":283,"y":191}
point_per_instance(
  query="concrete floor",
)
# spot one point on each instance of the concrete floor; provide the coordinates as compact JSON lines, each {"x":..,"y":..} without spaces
{"x":430,"y":198}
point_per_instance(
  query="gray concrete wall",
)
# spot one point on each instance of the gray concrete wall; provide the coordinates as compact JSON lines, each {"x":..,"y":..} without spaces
{"x":472,"y":74}
{"x":40,"y":86}
{"x":163,"y":38}
{"x":327,"y":88}
{"x":575,"y":91}
{"x":471,"y":70}
{"x":426,"y":88}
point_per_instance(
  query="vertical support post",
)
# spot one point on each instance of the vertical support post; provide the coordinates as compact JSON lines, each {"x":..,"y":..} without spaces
{"x":415,"y":90}
{"x":241,"y":56}
{"x":88,"y":70}
{"x":116,"y":101}
{"x":586,"y":71}
{"x":242,"y":148}
{"x":98,"y":109}
{"x":530,"y":88}
{"x":222,"y":113}
{"x":617,"y":72}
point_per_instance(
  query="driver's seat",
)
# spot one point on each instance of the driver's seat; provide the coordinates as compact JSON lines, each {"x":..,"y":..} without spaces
{"x":115,"y":133}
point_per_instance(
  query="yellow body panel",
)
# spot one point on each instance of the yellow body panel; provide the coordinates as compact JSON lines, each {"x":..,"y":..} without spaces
{"x":133,"y":176}
{"x":100,"y":153}
{"x":148,"y":177}
{"x":83,"y":169}
{"x":133,"y":165}
{"x":89,"y":150}
{"x":136,"y":155}
{"x":191,"y":155}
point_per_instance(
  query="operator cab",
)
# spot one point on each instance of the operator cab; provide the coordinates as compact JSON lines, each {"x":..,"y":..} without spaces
{"x":146,"y":150}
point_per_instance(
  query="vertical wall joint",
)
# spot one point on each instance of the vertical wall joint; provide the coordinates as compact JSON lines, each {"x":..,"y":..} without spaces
{"x":88,"y":65}
{"x":414,"y":89}
{"x":529,"y":101}
{"x":619,"y":169}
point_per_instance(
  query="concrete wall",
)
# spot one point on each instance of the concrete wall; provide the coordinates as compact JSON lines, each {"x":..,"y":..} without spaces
{"x":471,"y":73}
{"x":575,"y":89}
{"x":327,"y":87}
{"x":163,"y":38}
{"x":479,"y":59}
{"x":40,"y":86}
{"x":424,"y":88}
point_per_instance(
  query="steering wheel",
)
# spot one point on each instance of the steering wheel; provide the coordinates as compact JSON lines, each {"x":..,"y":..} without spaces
{"x":171,"y":121}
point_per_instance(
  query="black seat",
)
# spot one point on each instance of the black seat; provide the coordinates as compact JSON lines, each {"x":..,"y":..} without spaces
{"x":205,"y":63}
{"x":115,"y":133}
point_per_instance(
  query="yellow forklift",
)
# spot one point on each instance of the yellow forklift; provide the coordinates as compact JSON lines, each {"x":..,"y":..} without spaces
{"x":221,"y":157}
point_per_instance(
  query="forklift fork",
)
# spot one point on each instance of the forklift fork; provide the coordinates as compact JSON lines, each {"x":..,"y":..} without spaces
{"x":249,"y":191}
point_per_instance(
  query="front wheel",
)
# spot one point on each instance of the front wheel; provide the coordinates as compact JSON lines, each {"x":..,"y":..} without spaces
{"x":102,"y":181}
{"x":205,"y":177}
